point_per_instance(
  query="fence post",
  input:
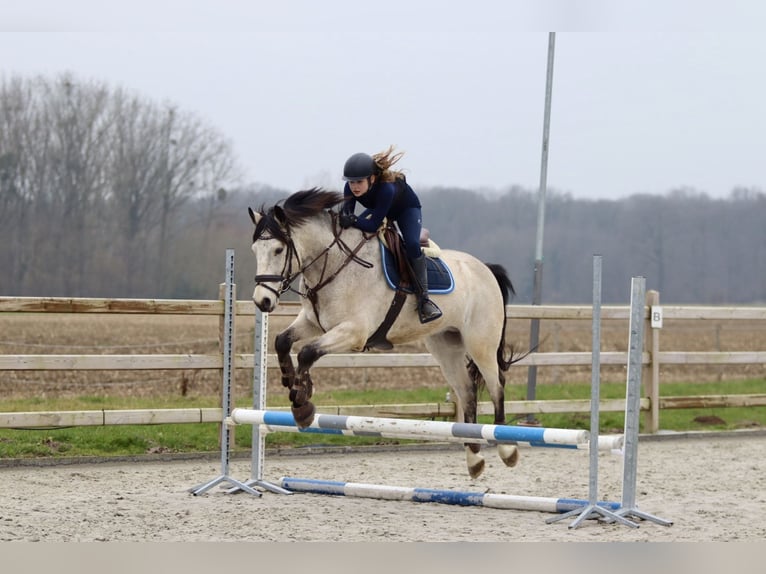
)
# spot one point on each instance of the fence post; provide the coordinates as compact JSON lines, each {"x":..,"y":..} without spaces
{"x":652,"y":372}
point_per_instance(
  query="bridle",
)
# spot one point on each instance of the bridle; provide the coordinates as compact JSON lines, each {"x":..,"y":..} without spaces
{"x":287,"y":276}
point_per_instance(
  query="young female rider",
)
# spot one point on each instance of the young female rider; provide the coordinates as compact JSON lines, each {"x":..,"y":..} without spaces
{"x":386,"y":193}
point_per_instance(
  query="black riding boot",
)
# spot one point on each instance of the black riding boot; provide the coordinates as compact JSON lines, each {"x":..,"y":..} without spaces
{"x":427,"y":309}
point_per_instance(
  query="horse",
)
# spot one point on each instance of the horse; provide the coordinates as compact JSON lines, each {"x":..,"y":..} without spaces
{"x":344,"y":300}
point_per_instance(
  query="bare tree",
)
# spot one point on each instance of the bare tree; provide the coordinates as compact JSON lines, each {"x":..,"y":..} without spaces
{"x":91,"y":180}
{"x":80,"y":128}
{"x":19,"y":177}
{"x":196,"y":161}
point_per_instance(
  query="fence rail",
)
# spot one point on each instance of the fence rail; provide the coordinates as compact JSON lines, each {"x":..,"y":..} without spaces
{"x":652,"y":358}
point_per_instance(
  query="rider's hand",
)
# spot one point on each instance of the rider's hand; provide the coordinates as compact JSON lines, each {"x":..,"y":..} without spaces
{"x":347,"y":220}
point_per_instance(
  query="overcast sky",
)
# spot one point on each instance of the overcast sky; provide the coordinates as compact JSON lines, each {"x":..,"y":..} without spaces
{"x":644,"y":101}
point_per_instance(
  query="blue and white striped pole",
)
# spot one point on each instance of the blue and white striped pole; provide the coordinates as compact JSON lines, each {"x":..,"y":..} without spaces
{"x":439,"y":496}
{"x":276,"y":421}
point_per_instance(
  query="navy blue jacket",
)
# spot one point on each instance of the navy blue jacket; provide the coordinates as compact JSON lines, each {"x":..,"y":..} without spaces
{"x":383,"y":199}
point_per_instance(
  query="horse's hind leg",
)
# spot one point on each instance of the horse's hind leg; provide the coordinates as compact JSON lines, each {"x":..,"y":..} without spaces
{"x":485,"y":367}
{"x":448,"y":350}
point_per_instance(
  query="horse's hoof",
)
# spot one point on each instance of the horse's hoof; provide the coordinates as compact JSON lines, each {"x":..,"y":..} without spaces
{"x":509,"y":454}
{"x":475,"y":463}
{"x":475,"y":470}
{"x":298,"y":395}
{"x":304,"y":414}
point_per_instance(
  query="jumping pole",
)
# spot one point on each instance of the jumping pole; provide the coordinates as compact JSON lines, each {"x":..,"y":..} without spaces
{"x":228,"y":335}
{"x":440,"y":496}
{"x":276,"y":421}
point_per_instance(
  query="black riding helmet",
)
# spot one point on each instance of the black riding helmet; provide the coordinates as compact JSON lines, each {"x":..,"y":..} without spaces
{"x":359,"y":166}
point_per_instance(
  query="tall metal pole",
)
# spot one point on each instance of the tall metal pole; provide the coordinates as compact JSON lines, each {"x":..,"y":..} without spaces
{"x":534,"y":330}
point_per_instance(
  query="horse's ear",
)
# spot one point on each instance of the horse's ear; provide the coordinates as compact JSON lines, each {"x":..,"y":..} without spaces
{"x":279,"y":215}
{"x":256,"y":217}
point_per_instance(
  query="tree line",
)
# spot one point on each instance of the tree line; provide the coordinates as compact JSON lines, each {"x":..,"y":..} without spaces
{"x":106,"y":194}
{"x":689,"y":247}
{"x":92,"y":185}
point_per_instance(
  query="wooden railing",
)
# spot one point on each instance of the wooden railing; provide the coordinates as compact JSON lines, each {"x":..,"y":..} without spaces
{"x":653,"y":357}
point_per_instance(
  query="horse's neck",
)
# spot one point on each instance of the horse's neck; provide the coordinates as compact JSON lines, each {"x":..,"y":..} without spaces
{"x":312,"y":241}
{"x":311,"y":238}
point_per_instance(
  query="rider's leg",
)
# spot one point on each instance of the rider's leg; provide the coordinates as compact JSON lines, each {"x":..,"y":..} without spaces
{"x":427,"y":309}
{"x":409,"y":223}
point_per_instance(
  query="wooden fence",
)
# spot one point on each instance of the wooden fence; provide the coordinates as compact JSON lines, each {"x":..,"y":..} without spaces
{"x":653,"y":357}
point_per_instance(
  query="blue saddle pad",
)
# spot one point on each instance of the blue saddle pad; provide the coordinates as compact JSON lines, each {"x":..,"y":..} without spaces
{"x":440,"y":280}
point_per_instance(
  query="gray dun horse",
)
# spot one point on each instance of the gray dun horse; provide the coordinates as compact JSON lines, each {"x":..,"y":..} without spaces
{"x":345,"y":299}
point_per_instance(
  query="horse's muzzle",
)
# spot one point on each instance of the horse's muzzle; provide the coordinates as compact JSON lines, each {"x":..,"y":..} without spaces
{"x":265,"y":305}
{"x":265,"y":298}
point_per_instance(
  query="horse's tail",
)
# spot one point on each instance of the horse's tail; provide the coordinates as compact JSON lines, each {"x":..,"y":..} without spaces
{"x":503,"y":281}
{"x":506,"y":288}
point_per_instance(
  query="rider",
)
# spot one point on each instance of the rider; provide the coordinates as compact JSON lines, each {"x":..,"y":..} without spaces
{"x":386,"y":193}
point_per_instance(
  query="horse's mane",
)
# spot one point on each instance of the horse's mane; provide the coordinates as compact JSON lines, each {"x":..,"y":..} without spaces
{"x":294,"y":211}
{"x":305,"y":204}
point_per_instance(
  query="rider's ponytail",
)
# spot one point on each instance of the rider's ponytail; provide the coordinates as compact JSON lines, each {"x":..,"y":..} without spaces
{"x":384,"y":160}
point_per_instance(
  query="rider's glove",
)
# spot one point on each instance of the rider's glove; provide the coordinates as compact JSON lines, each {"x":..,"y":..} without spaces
{"x":347,"y":220}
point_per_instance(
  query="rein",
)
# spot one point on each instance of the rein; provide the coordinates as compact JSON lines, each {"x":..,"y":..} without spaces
{"x":311,"y":292}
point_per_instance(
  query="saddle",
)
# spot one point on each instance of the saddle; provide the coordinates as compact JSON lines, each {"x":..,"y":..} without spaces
{"x":396,"y":268}
{"x":398,"y":274}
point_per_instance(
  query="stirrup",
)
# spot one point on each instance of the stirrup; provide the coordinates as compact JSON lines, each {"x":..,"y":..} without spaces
{"x":428,"y":311}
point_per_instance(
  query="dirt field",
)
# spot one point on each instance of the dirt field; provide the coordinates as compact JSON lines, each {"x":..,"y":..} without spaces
{"x":130,"y":334}
{"x":713,"y":489}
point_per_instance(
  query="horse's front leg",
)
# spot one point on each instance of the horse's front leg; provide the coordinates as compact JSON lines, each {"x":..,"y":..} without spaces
{"x":299,"y":330}
{"x":283,"y":344}
{"x":343,"y":338}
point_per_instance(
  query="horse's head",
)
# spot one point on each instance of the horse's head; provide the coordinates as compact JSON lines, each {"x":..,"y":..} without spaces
{"x":278,"y":254}
{"x":274,"y":257}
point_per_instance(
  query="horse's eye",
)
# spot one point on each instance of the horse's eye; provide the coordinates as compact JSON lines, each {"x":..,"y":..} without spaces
{"x":278,"y":250}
